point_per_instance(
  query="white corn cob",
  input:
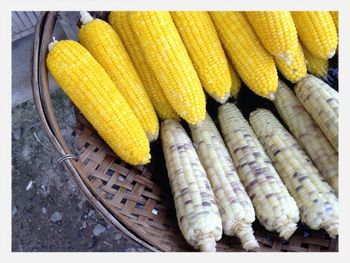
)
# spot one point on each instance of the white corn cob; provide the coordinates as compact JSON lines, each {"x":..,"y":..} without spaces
{"x":321,"y":101}
{"x":308,"y":134}
{"x":236,"y":209}
{"x":274,"y":207}
{"x":317,"y":202}
{"x":197,"y":214}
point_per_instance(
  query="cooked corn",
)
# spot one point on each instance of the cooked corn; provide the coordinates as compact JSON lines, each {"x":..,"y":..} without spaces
{"x":274,"y":207}
{"x":235,"y":80}
{"x":251,"y":60}
{"x":296,"y":70}
{"x":317,"y":32}
{"x":103,"y":43}
{"x":308,"y":134}
{"x":167,"y":56}
{"x":317,"y":202}
{"x":236,"y":209}
{"x":120,"y":24}
{"x":315,"y":65}
{"x":197,"y":214}
{"x":277,"y":32}
{"x":86,"y":83}
{"x":204,"y":47}
{"x":321,"y":101}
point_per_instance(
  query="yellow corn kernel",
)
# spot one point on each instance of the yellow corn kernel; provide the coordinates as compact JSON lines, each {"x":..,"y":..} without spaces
{"x":119,"y":21}
{"x":87,"y":84}
{"x":315,"y":65}
{"x":277,"y":32}
{"x":251,"y":60}
{"x":317,"y":32}
{"x":168,"y":58}
{"x":335,"y":17}
{"x":204,"y":47}
{"x":295,"y":70}
{"x":235,"y":80}
{"x":103,"y":43}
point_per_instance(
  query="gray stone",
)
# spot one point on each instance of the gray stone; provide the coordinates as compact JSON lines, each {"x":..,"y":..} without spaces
{"x":55,"y":217}
{"x":98,"y":230}
{"x":17,"y":134}
{"x":130,"y":249}
{"x":26,"y":152}
{"x":44,"y":210}
{"x":118,"y":237}
{"x":14,"y":211}
{"x":91,"y":212}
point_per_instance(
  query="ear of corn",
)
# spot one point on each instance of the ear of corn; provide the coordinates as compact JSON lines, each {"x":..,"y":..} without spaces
{"x":274,"y":207}
{"x":204,"y":47}
{"x":103,"y":43}
{"x":251,"y":60}
{"x":315,"y":65}
{"x":335,"y":17}
{"x":235,"y":80}
{"x":317,"y":32}
{"x":316,"y":200}
{"x":167,"y":56}
{"x":308,"y":134}
{"x":277,"y":32}
{"x":236,"y":209}
{"x":296,"y":70}
{"x":321,"y":101}
{"x":119,"y":21}
{"x":197,"y":214}
{"x":89,"y":87}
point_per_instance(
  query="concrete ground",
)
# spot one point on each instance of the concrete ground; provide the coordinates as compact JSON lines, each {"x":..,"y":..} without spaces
{"x":49,"y":213}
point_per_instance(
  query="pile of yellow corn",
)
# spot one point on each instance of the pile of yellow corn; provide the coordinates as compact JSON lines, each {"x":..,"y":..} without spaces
{"x":126,"y":72}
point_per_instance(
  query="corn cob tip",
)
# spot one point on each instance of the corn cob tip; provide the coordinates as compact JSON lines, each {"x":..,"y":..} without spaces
{"x":285,"y":57}
{"x":287,"y":229}
{"x":331,"y":228}
{"x":152,"y":136}
{"x":245,"y":234}
{"x":331,"y":54}
{"x":271,"y":96}
{"x":85,"y":17}
{"x":222,"y":99}
{"x":52,"y":43}
{"x":207,"y":244}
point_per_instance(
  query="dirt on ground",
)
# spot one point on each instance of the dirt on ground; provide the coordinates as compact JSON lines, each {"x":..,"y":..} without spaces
{"x":49,"y":212}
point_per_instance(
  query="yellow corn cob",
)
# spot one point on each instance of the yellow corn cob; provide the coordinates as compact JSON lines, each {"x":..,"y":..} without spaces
{"x":274,"y":207}
{"x":317,"y":202}
{"x":118,"y":20}
{"x":277,"y":32}
{"x":321,"y":101}
{"x":197,"y":214}
{"x":251,"y":60}
{"x":103,"y":43}
{"x":236,"y":209}
{"x":89,"y":87}
{"x":235,"y":80}
{"x":296,"y":70}
{"x":335,"y":17}
{"x":317,"y":32}
{"x":315,"y":65}
{"x":167,"y":56}
{"x":204,"y":47}
{"x":308,"y":134}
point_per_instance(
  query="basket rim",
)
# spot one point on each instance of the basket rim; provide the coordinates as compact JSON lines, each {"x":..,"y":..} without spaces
{"x":42,"y":100}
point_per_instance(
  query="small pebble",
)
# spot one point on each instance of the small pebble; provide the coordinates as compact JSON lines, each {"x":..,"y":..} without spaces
{"x":29,"y":186}
{"x":14,"y":211}
{"x":91,"y":212}
{"x":83,"y":225}
{"x":118,"y":236}
{"x":26,"y":152}
{"x":98,"y":230}
{"x":44,"y":210}
{"x":17,"y":134}
{"x":57,"y":216}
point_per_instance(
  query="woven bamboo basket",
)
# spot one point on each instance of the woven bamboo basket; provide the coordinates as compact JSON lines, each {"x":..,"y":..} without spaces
{"x":137,"y":199}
